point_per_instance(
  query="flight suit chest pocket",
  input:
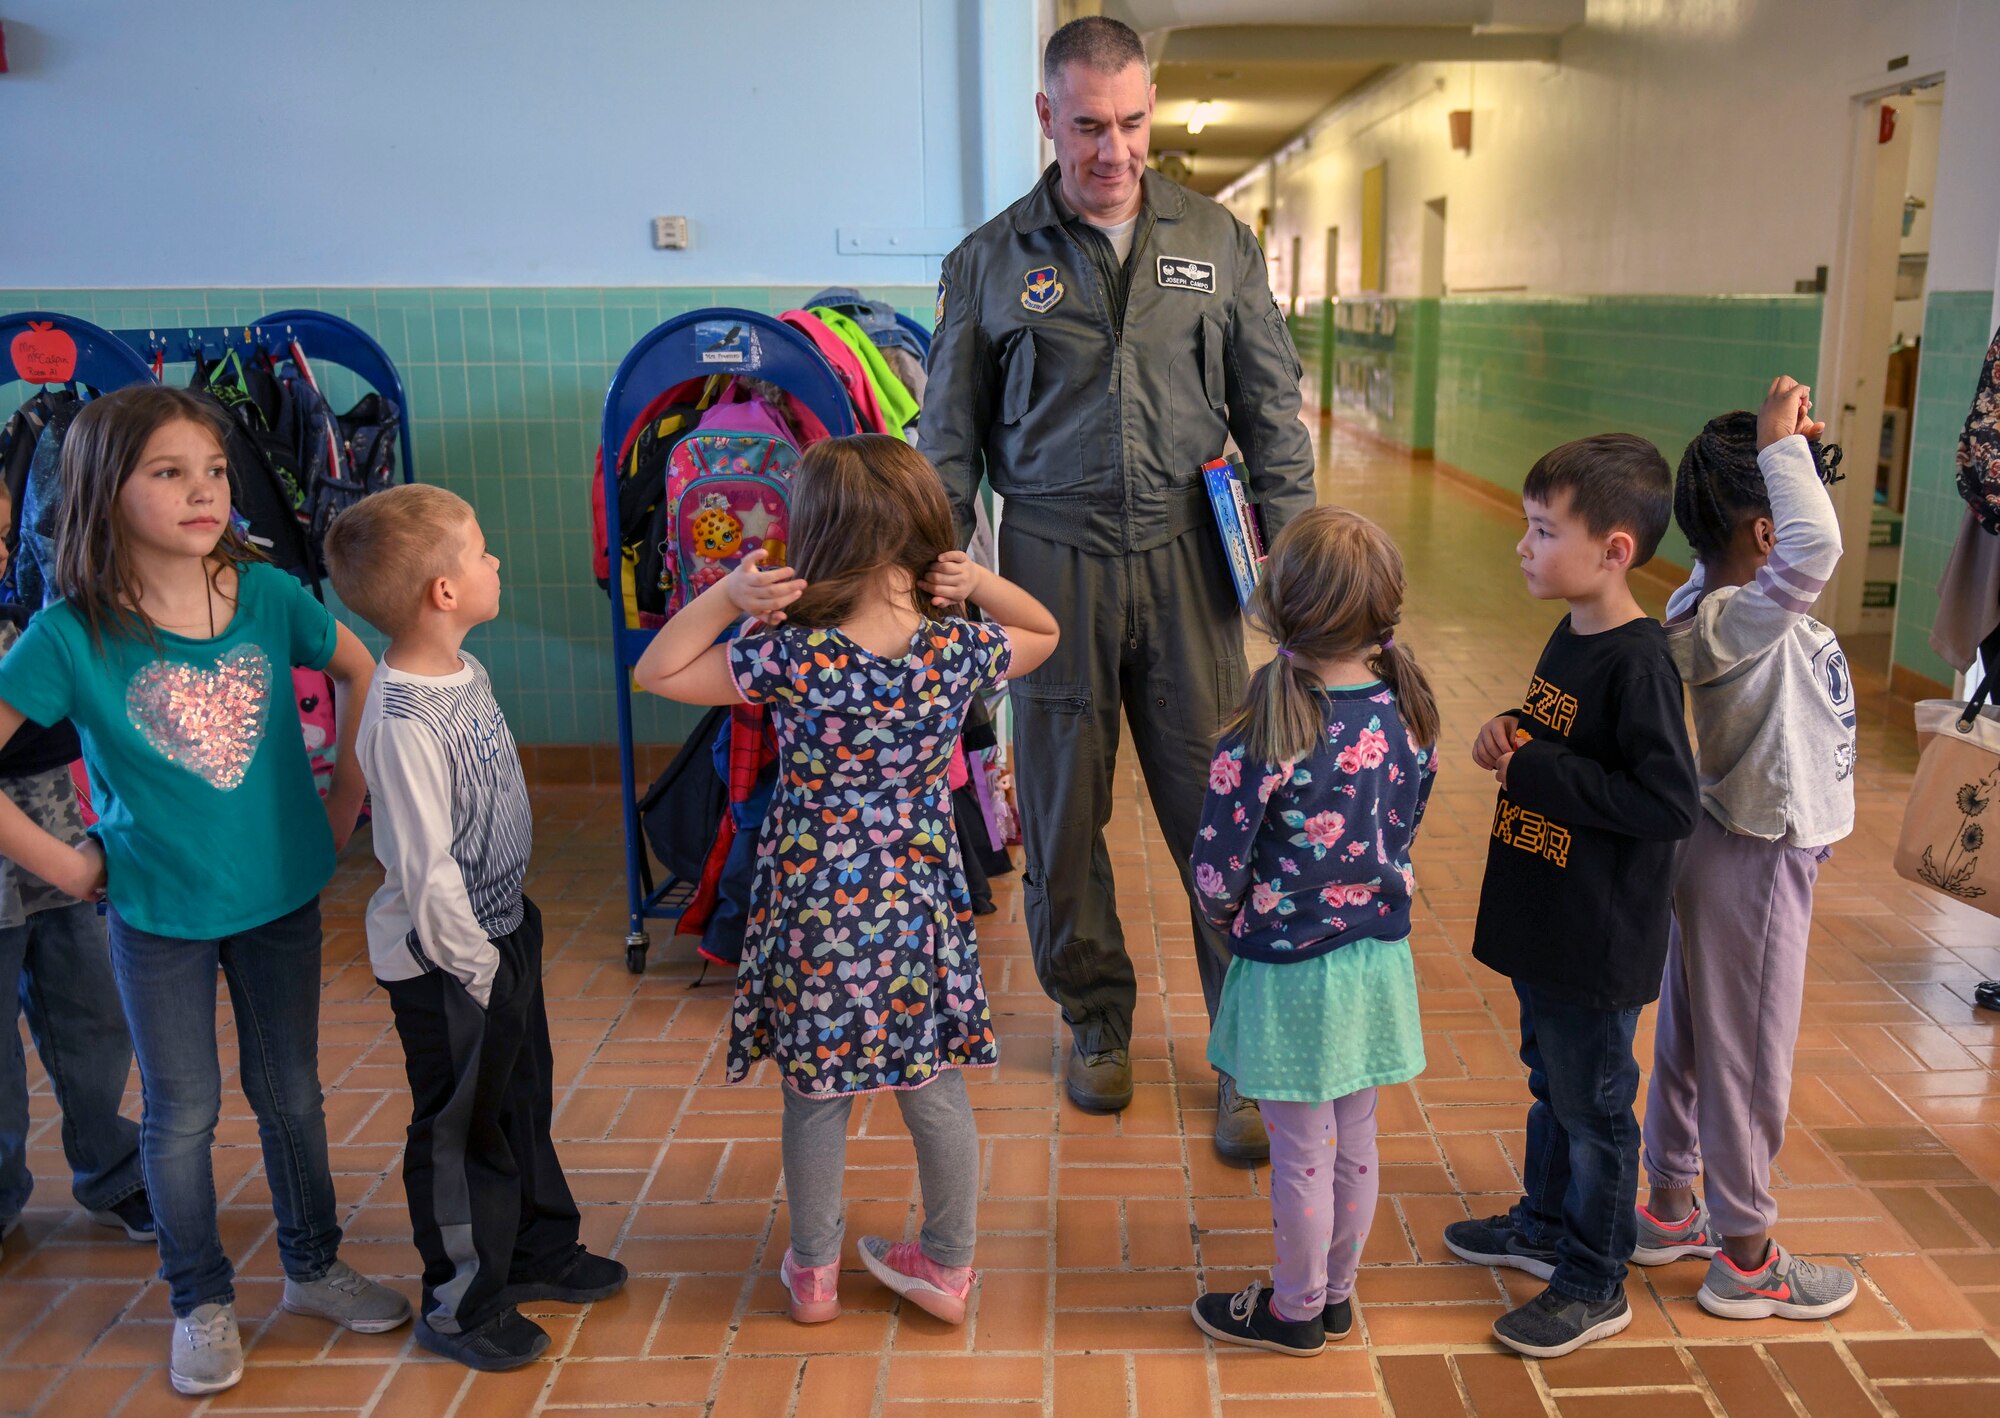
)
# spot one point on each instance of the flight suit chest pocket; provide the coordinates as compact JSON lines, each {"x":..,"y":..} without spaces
{"x":1213,"y":382}
{"x":1017,"y":376}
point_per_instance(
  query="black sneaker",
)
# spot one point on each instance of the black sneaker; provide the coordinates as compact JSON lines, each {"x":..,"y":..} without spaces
{"x":1337,"y":1319}
{"x":133,"y":1215}
{"x":1494,"y":1241}
{"x":507,"y":1341}
{"x":1552,"y":1324}
{"x":583,"y":1278}
{"x":1245,"y":1318}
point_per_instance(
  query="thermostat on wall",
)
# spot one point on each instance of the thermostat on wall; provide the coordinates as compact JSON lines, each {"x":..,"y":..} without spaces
{"x":670,"y":233}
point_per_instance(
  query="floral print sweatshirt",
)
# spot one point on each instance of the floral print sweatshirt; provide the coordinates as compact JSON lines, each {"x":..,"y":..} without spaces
{"x":1295,"y":860}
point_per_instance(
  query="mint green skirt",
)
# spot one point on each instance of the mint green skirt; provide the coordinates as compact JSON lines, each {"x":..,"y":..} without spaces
{"x":1320,"y":1029}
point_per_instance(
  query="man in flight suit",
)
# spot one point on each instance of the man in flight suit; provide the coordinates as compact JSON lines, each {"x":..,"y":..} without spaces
{"x":1096,"y":343}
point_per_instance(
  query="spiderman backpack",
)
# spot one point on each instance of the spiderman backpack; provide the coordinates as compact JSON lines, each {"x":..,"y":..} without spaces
{"x":728,"y":493}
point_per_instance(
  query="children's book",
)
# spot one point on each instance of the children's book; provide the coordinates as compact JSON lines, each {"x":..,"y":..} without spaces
{"x":1236,"y":519}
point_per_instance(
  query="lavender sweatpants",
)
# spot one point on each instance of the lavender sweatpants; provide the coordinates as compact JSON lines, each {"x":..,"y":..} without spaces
{"x":1729,"y":1020}
{"x":1324,"y":1181}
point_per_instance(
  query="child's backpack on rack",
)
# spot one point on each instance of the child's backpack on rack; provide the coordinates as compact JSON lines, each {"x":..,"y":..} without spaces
{"x":642,"y":485}
{"x":368,"y":434}
{"x":266,"y":487}
{"x":728,"y":493}
{"x":33,"y":568}
{"x":19,"y":438}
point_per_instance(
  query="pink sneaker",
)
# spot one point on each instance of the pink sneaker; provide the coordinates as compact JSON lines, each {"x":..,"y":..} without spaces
{"x":815,"y":1290}
{"x":904,"y":1268}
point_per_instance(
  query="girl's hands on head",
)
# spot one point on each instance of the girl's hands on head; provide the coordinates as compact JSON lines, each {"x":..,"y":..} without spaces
{"x":1787,"y":410}
{"x":953,"y":577}
{"x":762,"y":594}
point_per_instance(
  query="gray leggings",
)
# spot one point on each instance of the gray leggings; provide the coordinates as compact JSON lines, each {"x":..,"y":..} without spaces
{"x":939,"y":1117}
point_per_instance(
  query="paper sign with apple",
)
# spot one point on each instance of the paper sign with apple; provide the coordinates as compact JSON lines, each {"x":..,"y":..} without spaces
{"x":43,"y":354}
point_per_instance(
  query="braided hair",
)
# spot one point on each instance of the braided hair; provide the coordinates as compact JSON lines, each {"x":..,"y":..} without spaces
{"x":1719,"y":482}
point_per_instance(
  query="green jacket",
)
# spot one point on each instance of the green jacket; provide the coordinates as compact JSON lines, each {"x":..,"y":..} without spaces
{"x":1090,"y":396}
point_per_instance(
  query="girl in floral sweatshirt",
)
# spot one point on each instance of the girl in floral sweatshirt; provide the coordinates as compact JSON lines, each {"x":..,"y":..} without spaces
{"x":1303,"y":857}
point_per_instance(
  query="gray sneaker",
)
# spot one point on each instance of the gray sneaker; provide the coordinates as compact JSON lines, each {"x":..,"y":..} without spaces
{"x":1784,"y":1286}
{"x":1494,"y":1241}
{"x":348,"y":1298}
{"x":1664,"y":1242}
{"x":208,"y":1351}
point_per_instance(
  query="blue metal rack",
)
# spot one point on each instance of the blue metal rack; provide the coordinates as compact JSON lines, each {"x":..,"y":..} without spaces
{"x":688,"y":347}
{"x":102,"y":360}
{"x":320,"y":337}
{"x":111,"y":359}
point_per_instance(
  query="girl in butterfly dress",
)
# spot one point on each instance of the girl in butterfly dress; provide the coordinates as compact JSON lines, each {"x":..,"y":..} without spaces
{"x":1303,"y":857}
{"x":860,"y":972}
{"x":171,"y":651}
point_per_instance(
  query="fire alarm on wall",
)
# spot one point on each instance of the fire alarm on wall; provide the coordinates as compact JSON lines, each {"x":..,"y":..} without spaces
{"x":3,"y":47}
{"x":670,"y":233}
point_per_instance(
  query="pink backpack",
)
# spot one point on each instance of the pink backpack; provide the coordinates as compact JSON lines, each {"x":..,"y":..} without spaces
{"x":729,"y":492}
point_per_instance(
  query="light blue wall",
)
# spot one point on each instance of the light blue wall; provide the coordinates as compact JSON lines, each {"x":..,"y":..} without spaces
{"x":501,"y":142}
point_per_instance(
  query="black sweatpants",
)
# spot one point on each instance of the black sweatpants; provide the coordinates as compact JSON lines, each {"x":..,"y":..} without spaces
{"x":488,"y":1201}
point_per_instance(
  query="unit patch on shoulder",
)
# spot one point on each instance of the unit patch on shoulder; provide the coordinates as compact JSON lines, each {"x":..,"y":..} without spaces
{"x":939,"y":314}
{"x":1176,"y":274}
{"x":1043,"y":290}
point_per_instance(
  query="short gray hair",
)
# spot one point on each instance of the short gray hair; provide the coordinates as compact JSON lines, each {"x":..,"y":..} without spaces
{"x":1105,"y":45}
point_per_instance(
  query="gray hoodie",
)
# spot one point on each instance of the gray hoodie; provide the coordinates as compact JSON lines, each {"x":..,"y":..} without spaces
{"x":1772,"y":698}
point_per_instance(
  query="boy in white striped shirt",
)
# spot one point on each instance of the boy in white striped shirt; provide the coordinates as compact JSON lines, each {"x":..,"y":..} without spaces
{"x":454,"y":941}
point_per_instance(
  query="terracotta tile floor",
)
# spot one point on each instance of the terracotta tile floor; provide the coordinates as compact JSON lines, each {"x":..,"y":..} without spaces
{"x":1096,"y":1230}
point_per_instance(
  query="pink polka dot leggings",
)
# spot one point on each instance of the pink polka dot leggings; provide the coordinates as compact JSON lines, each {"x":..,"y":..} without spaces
{"x":1324,"y":1181}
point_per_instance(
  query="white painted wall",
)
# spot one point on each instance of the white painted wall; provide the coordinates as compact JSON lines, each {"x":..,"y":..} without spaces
{"x":472,"y":142}
{"x":1677,"y":148}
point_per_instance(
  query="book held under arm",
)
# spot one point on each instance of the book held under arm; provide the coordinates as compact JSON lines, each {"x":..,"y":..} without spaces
{"x":1236,"y":520}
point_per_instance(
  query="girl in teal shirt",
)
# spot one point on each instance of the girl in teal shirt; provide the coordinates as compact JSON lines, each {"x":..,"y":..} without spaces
{"x":171,"y":651}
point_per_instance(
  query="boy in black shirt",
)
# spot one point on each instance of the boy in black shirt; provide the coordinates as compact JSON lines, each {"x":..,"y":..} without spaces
{"x":1597,"y":787}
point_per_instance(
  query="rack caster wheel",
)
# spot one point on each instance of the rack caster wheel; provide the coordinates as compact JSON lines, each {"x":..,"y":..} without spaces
{"x":635,"y":954}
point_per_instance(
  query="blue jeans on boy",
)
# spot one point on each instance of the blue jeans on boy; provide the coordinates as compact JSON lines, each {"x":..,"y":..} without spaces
{"x":1581,"y":1165}
{"x":168,"y":986}
{"x":59,"y":961}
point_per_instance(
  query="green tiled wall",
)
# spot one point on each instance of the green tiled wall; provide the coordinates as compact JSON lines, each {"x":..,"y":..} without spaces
{"x":1309,"y":330}
{"x":1517,"y":376}
{"x":1957,"y":329}
{"x":505,"y":387}
{"x":1405,"y":357}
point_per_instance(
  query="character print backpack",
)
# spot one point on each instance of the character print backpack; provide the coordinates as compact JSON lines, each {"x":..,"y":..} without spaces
{"x":729,"y":492}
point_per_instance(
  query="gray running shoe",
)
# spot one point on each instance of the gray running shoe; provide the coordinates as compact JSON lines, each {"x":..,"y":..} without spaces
{"x":208,"y":1350}
{"x":1784,"y":1286}
{"x":348,"y":1298}
{"x":1494,"y":1241}
{"x":1552,"y":1325}
{"x":1664,"y":1242}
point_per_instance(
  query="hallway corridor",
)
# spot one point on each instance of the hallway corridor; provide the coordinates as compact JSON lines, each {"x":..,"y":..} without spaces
{"x":1096,"y":1231}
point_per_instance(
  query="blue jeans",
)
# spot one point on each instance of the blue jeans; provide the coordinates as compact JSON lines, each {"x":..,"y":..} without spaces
{"x":59,"y":959}
{"x":168,"y":986}
{"x":1581,"y":1166}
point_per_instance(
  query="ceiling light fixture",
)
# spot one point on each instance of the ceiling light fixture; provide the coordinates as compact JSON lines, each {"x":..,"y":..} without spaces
{"x":1199,"y":114}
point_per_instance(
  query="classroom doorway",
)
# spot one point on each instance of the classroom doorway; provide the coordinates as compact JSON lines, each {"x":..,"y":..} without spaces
{"x":1874,"y":333}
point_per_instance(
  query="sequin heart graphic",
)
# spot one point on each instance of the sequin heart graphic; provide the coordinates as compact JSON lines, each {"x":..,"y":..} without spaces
{"x":206,"y":721}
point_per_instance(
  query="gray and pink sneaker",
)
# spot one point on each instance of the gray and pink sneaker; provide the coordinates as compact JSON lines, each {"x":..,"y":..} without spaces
{"x":814,"y":1290}
{"x":903,"y":1267}
{"x":1664,"y":1242}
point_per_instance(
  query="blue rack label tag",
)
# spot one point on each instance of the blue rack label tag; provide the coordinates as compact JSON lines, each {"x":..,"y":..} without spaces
{"x":728,"y":342}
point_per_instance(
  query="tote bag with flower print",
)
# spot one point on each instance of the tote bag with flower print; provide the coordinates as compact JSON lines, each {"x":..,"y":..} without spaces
{"x":1951,"y":829}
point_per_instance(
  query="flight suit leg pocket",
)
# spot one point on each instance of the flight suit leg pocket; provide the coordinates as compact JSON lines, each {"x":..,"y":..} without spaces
{"x":1057,"y":754}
